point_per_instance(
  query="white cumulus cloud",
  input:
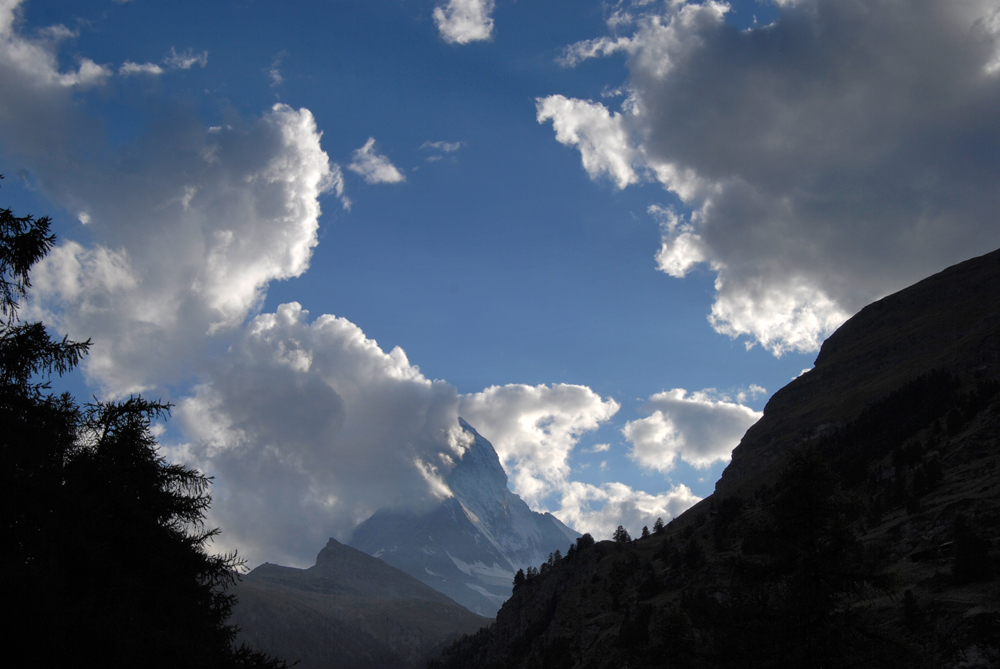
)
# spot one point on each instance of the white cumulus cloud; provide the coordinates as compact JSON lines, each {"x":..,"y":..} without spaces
{"x":599,"y":510}
{"x":681,"y":248}
{"x":309,"y":427}
{"x":535,"y":428}
{"x":601,"y":136}
{"x":189,"y":224}
{"x":199,"y":229}
{"x":700,"y":428}
{"x":464,"y":21}
{"x":826,"y":159}
{"x":34,"y":62}
{"x":374,"y":167}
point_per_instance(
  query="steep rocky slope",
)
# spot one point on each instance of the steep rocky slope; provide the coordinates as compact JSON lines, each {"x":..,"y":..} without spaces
{"x":949,"y":321}
{"x":857,"y":525}
{"x":349,"y":610}
{"x":469,"y":546}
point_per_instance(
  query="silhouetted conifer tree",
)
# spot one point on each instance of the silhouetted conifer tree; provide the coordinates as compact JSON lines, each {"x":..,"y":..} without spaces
{"x":104,"y":559}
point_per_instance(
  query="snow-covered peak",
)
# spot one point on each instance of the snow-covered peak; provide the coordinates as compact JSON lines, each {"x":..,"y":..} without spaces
{"x":480,"y":485}
{"x":479,"y":472}
{"x":470,"y":545}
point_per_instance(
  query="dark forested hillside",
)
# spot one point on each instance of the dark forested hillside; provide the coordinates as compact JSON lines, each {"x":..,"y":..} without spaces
{"x":857,"y":525}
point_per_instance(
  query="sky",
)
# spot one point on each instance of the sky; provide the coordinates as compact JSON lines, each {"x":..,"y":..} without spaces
{"x":604,"y":233}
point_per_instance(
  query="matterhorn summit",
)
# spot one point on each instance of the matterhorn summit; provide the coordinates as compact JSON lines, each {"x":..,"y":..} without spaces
{"x":471,"y":544}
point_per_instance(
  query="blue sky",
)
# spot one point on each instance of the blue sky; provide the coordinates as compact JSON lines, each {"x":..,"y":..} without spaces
{"x":603,"y":233}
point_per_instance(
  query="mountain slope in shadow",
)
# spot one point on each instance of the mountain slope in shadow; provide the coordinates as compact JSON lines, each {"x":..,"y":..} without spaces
{"x":349,"y":610}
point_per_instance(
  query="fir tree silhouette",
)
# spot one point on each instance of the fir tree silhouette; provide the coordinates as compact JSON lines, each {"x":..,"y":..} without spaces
{"x":104,"y":559}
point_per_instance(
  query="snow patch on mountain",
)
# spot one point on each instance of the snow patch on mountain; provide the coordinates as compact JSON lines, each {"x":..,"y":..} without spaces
{"x":485,"y":593}
{"x":479,"y":569}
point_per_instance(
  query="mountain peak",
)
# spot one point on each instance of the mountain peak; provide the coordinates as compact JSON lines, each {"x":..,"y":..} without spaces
{"x":336,"y":553}
{"x":469,"y":546}
{"x":479,"y":469}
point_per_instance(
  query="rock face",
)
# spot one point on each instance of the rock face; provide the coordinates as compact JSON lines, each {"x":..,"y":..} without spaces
{"x":469,"y":546}
{"x":857,"y":525}
{"x":949,"y":321}
{"x":349,"y":610}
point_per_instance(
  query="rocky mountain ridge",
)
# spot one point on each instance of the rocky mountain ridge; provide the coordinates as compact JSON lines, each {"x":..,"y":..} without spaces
{"x":349,"y":610}
{"x":946,"y":321}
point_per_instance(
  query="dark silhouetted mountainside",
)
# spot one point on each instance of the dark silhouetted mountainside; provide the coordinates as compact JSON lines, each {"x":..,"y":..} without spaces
{"x":349,"y":610}
{"x":469,"y":546}
{"x":857,"y":525}
{"x":949,"y":321}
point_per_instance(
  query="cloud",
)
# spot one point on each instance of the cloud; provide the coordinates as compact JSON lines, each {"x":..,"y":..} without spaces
{"x":464,"y":21}
{"x":823,"y":161}
{"x":599,"y":510}
{"x":699,"y":428}
{"x":375,"y":168}
{"x":534,"y":429}
{"x":274,"y":71}
{"x":753,"y":392}
{"x":602,"y":46}
{"x":34,"y":62}
{"x":200,"y":226}
{"x":681,"y":248}
{"x":172,"y":61}
{"x":185,"y":60}
{"x":441,"y":149}
{"x":190,"y":223}
{"x":444,"y":147}
{"x":600,"y":135}
{"x":309,"y":428}
{"x":129,"y":68}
